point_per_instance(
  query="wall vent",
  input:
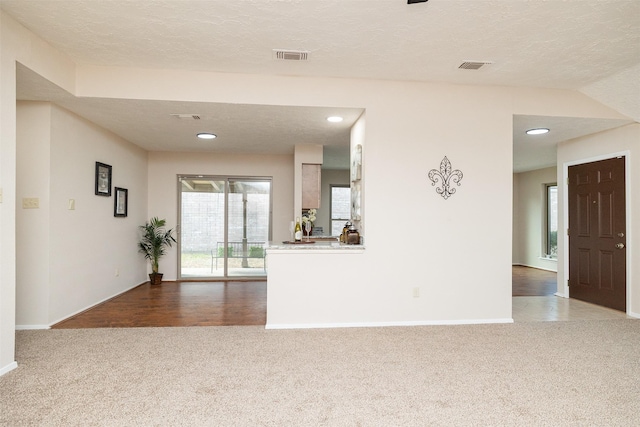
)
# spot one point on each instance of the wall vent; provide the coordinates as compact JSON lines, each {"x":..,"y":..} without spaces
{"x":290,"y":55}
{"x":187,"y":116}
{"x":473,"y":65}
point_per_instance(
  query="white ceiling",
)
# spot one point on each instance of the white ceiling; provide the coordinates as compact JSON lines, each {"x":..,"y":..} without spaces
{"x":589,"y":45}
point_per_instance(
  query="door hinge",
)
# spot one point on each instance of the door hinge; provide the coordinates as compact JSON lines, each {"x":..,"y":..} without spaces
{"x":567,"y":180}
{"x":567,"y":231}
{"x":568,"y":283}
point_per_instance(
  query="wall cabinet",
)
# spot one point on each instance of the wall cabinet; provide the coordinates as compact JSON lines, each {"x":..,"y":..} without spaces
{"x":311,"y":186}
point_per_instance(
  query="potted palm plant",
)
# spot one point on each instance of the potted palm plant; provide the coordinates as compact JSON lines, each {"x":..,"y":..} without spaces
{"x":154,"y":243}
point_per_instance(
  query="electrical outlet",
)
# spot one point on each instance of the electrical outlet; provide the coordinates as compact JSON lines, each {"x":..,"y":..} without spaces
{"x":30,"y":203}
{"x":416,"y":292}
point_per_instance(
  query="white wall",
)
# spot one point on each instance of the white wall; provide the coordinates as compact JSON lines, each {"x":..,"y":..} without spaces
{"x":164,"y":168}
{"x":94,"y":255}
{"x":32,"y":225}
{"x":530,"y":216}
{"x":68,"y":260}
{"x":621,"y":141}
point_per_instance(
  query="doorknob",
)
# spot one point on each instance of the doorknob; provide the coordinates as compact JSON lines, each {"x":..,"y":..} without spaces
{"x":620,"y":234}
{"x":620,"y":245}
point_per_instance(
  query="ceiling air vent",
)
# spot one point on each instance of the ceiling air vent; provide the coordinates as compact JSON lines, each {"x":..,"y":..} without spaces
{"x":187,"y":116}
{"x":290,"y":55}
{"x":473,"y":65}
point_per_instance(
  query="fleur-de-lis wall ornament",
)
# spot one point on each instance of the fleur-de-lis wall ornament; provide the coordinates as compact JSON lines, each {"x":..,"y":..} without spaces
{"x":447,"y":176}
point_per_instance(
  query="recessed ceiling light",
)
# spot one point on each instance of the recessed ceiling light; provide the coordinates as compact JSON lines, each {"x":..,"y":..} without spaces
{"x":207,"y":135}
{"x":334,"y":119}
{"x":537,"y":131}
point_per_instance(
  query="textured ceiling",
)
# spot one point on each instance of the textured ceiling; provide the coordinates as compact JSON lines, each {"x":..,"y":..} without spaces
{"x":538,"y":151}
{"x":587,"y":45}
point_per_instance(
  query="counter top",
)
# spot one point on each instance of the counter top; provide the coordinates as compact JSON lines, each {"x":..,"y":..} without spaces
{"x":317,"y":246}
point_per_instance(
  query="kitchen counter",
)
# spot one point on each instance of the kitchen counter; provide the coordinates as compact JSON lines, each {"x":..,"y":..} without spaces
{"x":307,"y":283}
{"x":316,"y":247}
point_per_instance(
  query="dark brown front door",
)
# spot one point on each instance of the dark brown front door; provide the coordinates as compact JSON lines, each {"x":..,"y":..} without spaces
{"x":597,"y":228}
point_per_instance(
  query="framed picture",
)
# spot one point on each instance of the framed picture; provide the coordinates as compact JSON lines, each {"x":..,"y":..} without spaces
{"x":103,"y":179}
{"x":120,"y":202}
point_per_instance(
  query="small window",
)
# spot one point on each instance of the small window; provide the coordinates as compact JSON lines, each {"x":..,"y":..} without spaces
{"x":340,"y":208}
{"x":551,"y":228}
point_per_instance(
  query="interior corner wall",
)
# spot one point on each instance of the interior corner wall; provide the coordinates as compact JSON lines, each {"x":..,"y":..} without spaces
{"x":329,"y":177}
{"x":70,"y":259}
{"x":530,"y":211}
{"x":625,"y":140}
{"x":33,"y":130}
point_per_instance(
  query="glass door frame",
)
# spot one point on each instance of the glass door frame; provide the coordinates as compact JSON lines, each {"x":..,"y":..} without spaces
{"x":227,"y":179}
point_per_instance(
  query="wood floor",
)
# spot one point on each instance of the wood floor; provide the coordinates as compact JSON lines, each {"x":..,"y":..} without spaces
{"x":178,"y":304}
{"x":529,"y":282}
{"x":245,"y":303}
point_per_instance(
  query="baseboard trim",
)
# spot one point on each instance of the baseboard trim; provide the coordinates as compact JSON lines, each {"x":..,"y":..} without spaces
{"x":561,"y":295}
{"x":31,"y":327}
{"x":386,"y":324}
{"x":633,"y":314}
{"x":96,"y":304}
{"x":10,"y":367}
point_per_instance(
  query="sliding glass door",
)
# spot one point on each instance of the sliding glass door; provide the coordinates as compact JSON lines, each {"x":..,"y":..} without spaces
{"x":225,"y":223}
{"x":248,"y":219}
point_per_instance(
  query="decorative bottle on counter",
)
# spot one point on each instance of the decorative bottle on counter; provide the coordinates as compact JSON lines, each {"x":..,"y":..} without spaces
{"x":345,"y":229}
{"x":353,"y":236}
{"x":298,"y":231}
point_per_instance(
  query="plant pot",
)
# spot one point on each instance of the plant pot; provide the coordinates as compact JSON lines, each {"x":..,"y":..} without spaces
{"x":155,"y":278}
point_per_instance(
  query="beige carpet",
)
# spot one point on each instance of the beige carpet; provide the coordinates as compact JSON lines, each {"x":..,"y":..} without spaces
{"x":583,"y":373}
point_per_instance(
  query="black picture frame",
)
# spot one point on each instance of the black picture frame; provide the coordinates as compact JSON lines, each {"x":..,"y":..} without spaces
{"x":121,"y":202}
{"x":103,"y":179}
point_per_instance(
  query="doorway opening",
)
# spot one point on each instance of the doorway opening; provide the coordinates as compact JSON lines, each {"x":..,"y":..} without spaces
{"x":225,"y":224}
